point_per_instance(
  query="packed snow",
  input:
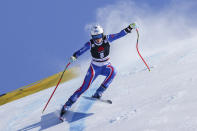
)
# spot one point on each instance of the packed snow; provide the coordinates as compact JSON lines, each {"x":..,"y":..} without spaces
{"x":163,"y":99}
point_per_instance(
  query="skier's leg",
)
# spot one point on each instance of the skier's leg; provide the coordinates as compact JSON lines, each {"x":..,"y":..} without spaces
{"x":110,"y":72}
{"x":89,"y":78}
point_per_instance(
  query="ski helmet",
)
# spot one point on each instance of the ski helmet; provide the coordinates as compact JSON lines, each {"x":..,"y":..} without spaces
{"x":97,"y":32}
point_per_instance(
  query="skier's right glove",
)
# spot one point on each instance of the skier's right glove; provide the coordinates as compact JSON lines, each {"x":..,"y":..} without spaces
{"x":72,"y":59}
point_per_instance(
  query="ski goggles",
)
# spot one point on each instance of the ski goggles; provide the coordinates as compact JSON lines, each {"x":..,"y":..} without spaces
{"x":97,"y":36}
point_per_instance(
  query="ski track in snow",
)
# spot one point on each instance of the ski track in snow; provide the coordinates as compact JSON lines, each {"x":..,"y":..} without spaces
{"x":83,"y":106}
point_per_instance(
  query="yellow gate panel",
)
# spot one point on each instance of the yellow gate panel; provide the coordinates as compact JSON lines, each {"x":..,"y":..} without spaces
{"x":38,"y":86}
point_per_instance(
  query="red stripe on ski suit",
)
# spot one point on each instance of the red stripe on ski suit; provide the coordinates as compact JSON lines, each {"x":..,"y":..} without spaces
{"x":92,"y":75}
{"x":112,"y":70}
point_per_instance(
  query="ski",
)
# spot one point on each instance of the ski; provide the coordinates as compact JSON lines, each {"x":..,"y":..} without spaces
{"x":96,"y":99}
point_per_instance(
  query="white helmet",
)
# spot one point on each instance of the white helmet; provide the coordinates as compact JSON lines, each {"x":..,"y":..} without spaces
{"x":96,"y":30}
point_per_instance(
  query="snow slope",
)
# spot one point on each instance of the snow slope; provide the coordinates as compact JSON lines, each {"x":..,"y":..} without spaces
{"x":161,"y":100}
{"x":164,"y":99}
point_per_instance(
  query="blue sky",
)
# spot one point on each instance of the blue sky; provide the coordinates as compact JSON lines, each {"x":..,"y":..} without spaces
{"x":38,"y":36}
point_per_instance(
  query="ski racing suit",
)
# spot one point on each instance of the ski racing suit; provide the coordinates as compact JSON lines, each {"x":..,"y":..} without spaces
{"x":100,"y":64}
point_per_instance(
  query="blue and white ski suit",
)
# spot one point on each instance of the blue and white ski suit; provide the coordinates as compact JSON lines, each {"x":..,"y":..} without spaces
{"x":98,"y":66}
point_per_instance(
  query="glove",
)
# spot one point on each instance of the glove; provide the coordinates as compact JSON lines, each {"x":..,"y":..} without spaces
{"x":72,"y":59}
{"x":130,"y":27}
{"x":133,"y":25}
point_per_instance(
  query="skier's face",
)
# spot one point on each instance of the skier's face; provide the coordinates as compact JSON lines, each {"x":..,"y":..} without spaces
{"x":98,"y":40}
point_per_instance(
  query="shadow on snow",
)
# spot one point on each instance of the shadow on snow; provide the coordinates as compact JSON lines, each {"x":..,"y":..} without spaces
{"x":51,"y":119}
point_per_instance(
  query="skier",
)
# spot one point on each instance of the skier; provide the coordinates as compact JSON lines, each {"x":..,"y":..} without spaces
{"x":99,"y":47}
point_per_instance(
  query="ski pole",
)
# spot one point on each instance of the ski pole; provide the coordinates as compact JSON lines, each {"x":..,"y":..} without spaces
{"x":138,"y":50}
{"x":56,"y":87}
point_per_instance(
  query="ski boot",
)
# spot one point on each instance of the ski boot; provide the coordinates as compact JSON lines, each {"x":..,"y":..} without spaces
{"x":99,"y":92}
{"x":97,"y":95}
{"x":65,"y":108}
{"x":63,"y":111}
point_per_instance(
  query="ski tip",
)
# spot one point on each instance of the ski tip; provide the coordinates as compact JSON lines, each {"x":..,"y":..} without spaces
{"x":109,"y":101}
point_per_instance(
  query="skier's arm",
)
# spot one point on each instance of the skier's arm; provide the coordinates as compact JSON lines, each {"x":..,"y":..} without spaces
{"x":116,"y":36}
{"x":82,"y":50}
{"x":122,"y":33}
{"x":79,"y":52}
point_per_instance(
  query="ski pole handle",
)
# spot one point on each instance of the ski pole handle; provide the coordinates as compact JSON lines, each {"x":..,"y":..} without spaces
{"x":138,"y":50}
{"x":56,"y":87}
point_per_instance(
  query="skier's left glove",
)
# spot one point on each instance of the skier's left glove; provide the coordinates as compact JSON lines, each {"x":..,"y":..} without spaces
{"x":130,"y":27}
